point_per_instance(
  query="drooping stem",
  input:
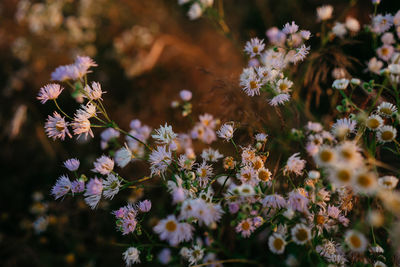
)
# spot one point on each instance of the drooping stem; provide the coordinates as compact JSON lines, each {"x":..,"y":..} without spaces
{"x":58,"y":107}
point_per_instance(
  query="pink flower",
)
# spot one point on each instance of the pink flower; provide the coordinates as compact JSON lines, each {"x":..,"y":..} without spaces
{"x":56,"y":127}
{"x":245,"y":227}
{"x":49,"y":92}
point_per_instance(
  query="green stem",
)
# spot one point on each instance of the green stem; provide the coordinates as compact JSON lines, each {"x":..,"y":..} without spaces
{"x":58,"y":107}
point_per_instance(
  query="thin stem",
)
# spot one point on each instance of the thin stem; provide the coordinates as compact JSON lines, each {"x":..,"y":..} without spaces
{"x":234,"y":144}
{"x":55,"y":102}
{"x":114,"y":126}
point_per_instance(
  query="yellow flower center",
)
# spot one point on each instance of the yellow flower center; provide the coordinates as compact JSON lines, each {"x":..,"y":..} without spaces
{"x":170,"y":226}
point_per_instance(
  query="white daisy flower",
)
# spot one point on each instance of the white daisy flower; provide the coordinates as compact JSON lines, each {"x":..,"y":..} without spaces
{"x":254,"y":47}
{"x":164,"y":135}
{"x":386,"y":109}
{"x":283,"y":85}
{"x":340,"y":84}
{"x":131,"y":256}
{"x":341,"y":174}
{"x":211,"y":155}
{"x":279,"y":99}
{"x":342,"y":127}
{"x":374,"y":122}
{"x":365,"y":182}
{"x":388,"y":182}
{"x":324,"y":12}
{"x":352,"y":24}
{"x":111,"y":186}
{"x":123,"y":156}
{"x":226,"y":132}
{"x":301,"y":234}
{"x":386,"y":134}
{"x":326,"y":156}
{"x":160,"y":158}
{"x":172,"y":231}
{"x":103,"y":165}
{"x":295,"y":165}
{"x":276,"y":243}
{"x":356,"y":241}
{"x":348,"y":152}
{"x":339,"y":29}
{"x":290,"y":28}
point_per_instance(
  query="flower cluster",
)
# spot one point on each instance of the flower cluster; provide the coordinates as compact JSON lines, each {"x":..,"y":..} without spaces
{"x":265,"y":72}
{"x":326,"y":196}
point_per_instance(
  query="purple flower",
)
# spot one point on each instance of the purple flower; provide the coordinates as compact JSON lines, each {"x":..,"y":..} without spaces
{"x":145,"y":205}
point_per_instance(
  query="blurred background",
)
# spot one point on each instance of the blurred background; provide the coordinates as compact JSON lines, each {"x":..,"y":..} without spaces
{"x":147,"y":51}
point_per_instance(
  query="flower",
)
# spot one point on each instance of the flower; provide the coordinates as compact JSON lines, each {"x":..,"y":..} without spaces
{"x":375,"y":65}
{"x":131,"y":256}
{"x":290,"y":28}
{"x":250,"y":82}
{"x":340,"y":84}
{"x":63,"y":73}
{"x":342,"y":127}
{"x":145,"y":205}
{"x":274,"y":201}
{"x":56,"y":127}
{"x":49,"y":92}
{"x":295,"y":164}
{"x":301,"y":53}
{"x":276,"y":243}
{"x":123,"y":156}
{"x":164,"y":135}
{"x":185,"y":95}
{"x":103,"y":165}
{"x":386,"y":109}
{"x":172,"y":231}
{"x":381,"y":23}
{"x":111,"y":186}
{"x":339,"y":29}
{"x":385,"y":52}
{"x":195,"y":11}
{"x":62,"y":187}
{"x":283,"y":85}
{"x":341,"y":174}
{"x":204,"y":172}
{"x":72,"y":164}
{"x":261,"y":137}
{"x":279,"y":99}
{"x":160,"y":158}
{"x":94,"y":188}
{"x":374,"y":122}
{"x":264,"y":174}
{"x":301,"y":234}
{"x":254,"y":47}
{"x":81,"y":125}
{"x":356,"y":241}
{"x":386,"y":134}
{"x":365,"y":182}
{"x":210,"y":155}
{"x":388,"y":182}
{"x":324,"y":12}
{"x":94,"y":92}
{"x":325,"y":156}
{"x":195,"y":254}
{"x":352,"y":24}
{"x":226,"y":132}
{"x":297,"y":202}
{"x":348,"y":153}
{"x":77,"y":186}
{"x":245,"y":227}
